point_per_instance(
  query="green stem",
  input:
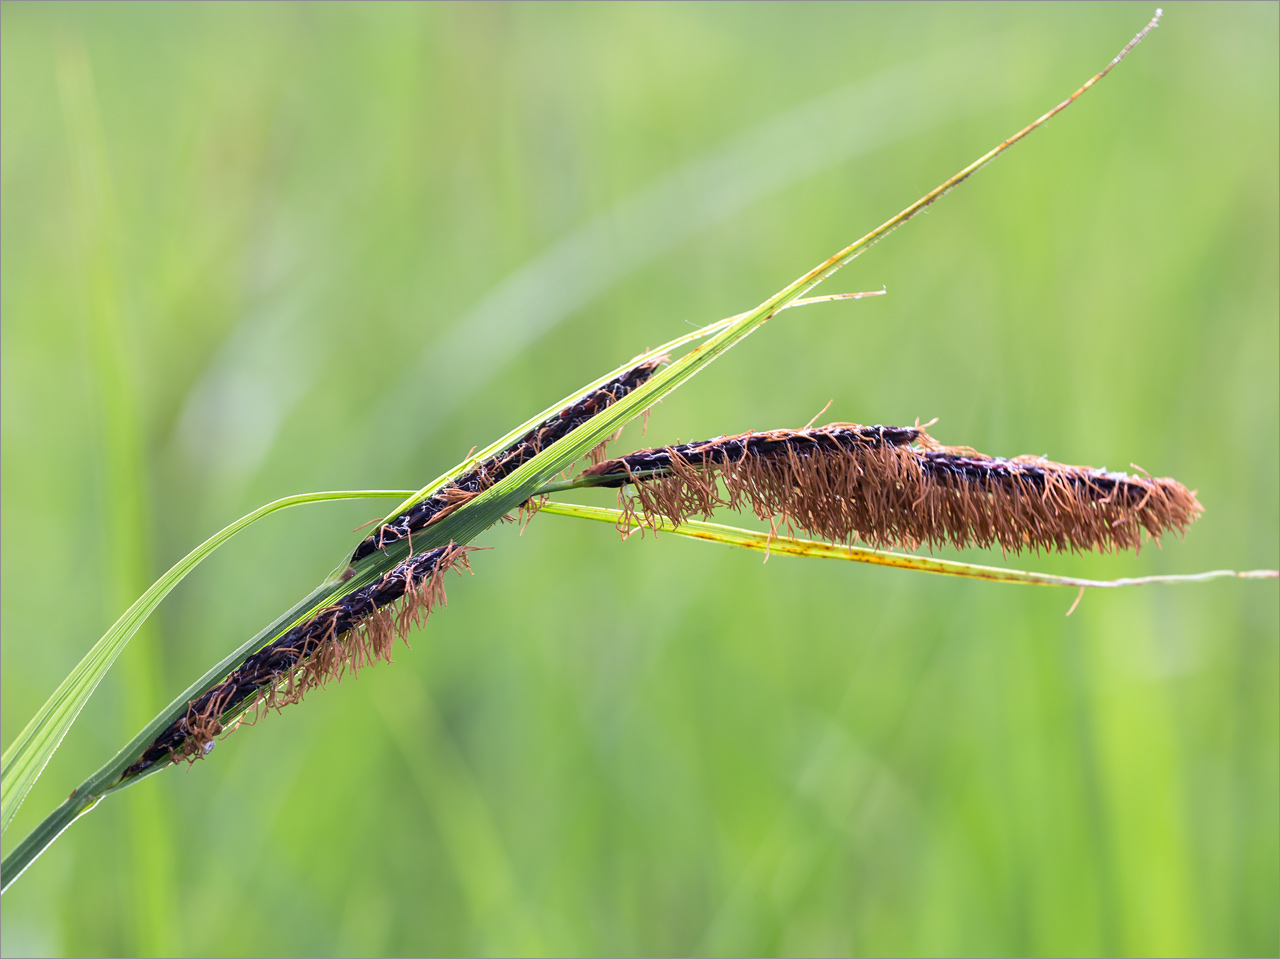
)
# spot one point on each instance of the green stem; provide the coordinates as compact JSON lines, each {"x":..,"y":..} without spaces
{"x":790,"y":546}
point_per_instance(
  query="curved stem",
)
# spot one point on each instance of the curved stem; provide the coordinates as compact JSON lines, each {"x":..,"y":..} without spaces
{"x":791,"y":546}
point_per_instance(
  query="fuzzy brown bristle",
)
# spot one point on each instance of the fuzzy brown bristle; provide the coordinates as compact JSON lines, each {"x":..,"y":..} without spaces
{"x":895,"y":486}
{"x":356,"y":631}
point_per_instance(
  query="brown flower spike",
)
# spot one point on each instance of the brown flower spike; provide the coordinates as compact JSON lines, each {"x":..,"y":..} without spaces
{"x":896,"y":486}
{"x":354,"y":632}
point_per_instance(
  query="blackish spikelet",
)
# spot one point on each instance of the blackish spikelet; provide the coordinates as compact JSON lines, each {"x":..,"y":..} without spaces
{"x":354,"y":632}
{"x":489,"y":471}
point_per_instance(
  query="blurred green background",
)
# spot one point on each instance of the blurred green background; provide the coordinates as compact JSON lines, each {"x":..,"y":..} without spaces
{"x":251,"y":250}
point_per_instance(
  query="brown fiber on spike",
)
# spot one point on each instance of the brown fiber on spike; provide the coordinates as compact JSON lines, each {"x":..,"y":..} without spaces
{"x":894,"y":486}
{"x":354,"y":632}
{"x":484,"y":474}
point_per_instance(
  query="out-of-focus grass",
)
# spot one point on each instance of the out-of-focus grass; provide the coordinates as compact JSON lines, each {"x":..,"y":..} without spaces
{"x":652,"y":746}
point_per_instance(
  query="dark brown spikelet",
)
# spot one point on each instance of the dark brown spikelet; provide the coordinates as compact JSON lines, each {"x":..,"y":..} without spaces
{"x":486,"y":473}
{"x":356,"y":631}
{"x":895,"y":486}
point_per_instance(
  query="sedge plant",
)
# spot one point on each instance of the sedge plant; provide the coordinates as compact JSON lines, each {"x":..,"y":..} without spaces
{"x":864,"y":493}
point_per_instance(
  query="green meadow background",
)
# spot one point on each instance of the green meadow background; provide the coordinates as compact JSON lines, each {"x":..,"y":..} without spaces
{"x":251,"y":250}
